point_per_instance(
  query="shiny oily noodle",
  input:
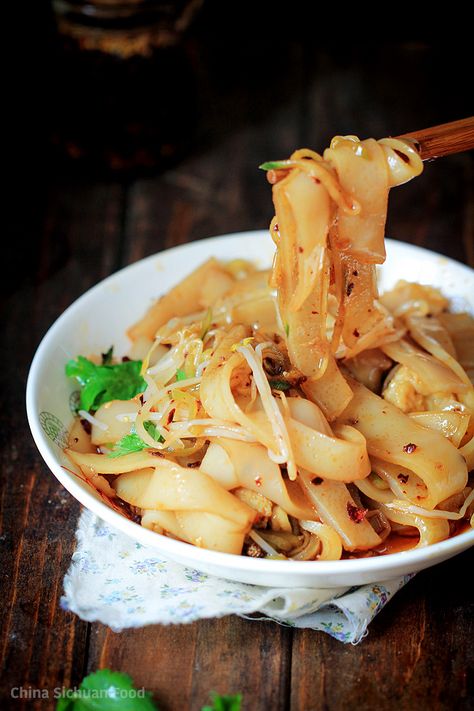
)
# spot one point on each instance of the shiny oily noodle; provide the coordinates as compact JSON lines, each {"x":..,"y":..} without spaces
{"x":295,"y":413}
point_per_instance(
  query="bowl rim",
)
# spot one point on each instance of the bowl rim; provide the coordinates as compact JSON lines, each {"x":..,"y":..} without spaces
{"x":384,"y":566}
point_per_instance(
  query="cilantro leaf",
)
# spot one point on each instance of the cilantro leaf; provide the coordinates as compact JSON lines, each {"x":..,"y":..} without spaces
{"x":102,"y":383}
{"x":225,"y":702}
{"x":133,"y":443}
{"x":106,"y":690}
{"x":67,"y":703}
{"x":150,"y":428}
{"x":127,"y":445}
{"x":180,"y":374}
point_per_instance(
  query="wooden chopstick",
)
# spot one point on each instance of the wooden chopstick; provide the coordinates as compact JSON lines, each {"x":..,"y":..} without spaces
{"x":453,"y":137}
{"x":431,"y":143}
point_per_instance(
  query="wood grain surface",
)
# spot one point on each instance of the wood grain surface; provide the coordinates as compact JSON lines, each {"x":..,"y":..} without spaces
{"x":67,"y":228}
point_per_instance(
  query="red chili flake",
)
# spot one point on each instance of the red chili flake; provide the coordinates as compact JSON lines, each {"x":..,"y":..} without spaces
{"x":317,"y":480}
{"x":355,"y":333}
{"x":355,"y":513}
{"x":192,"y":465}
{"x":155,"y":453}
{"x":86,"y":426}
{"x":300,"y":250}
{"x":409,"y":448}
{"x":76,"y":439}
{"x":275,"y":227}
{"x":315,"y":312}
{"x":142,"y":399}
{"x":126,"y":359}
{"x":403,"y":477}
{"x":352,"y":421}
{"x":170,"y":415}
{"x":258,"y":480}
{"x":355,"y":273}
{"x":317,"y":181}
{"x":350,"y":287}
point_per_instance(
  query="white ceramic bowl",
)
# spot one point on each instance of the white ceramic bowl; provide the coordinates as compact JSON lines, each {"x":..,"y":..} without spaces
{"x":100,"y":317}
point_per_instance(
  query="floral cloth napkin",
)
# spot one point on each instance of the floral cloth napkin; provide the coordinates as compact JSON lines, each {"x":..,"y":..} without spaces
{"x":121,"y":583}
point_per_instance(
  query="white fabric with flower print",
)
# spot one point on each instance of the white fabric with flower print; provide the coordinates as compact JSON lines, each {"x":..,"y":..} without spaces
{"x":125,"y":584}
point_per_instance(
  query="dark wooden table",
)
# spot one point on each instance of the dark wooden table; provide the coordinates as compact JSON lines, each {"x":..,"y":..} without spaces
{"x":70,"y":229}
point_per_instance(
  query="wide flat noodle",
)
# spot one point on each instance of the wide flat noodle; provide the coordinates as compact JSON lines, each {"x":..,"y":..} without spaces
{"x":363,"y":173}
{"x":187,"y":297}
{"x":431,"y":530}
{"x":334,"y":505}
{"x":394,"y":437}
{"x":206,"y":514}
{"x":248,"y":465}
{"x":301,"y":270}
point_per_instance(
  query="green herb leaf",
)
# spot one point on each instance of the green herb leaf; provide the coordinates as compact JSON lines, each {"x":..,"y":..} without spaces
{"x":67,"y":703}
{"x":287,"y":329}
{"x":150,"y":428}
{"x":276,"y":165}
{"x":280,"y":384}
{"x":102,"y":383}
{"x":106,"y":690}
{"x":127,"y":445}
{"x":224,"y":702}
{"x":180,"y":374}
{"x":133,"y":443}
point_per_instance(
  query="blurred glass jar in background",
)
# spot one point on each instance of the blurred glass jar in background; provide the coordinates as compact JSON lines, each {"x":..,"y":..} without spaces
{"x":126,"y":97}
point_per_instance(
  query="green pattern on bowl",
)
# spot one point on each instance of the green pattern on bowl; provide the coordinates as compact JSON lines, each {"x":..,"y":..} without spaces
{"x":54,"y":428}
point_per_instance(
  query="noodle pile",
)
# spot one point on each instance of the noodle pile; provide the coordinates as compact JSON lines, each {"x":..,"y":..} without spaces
{"x":294,"y":413}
